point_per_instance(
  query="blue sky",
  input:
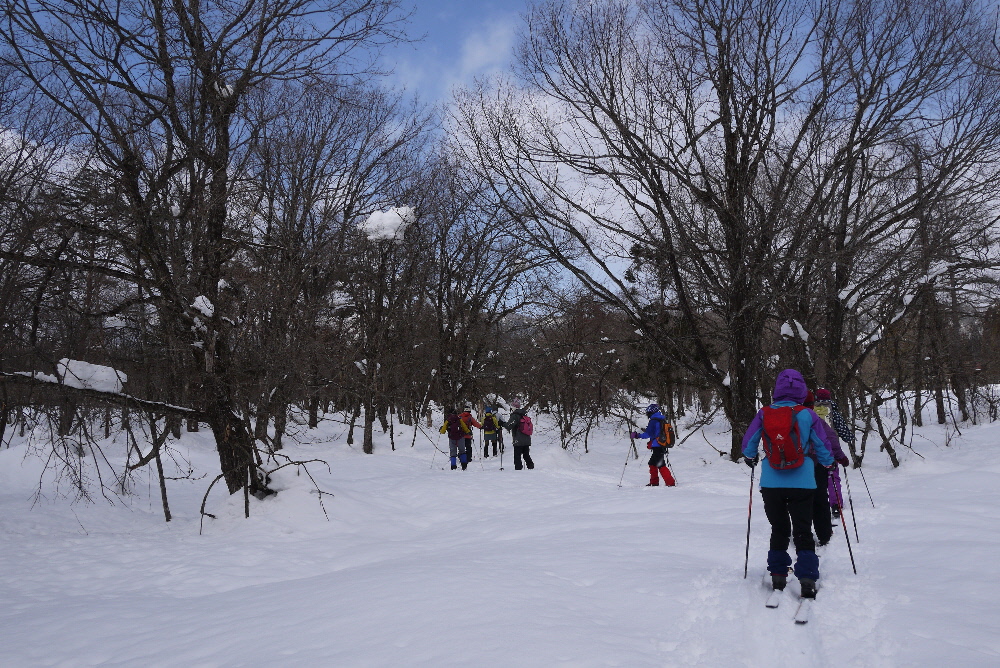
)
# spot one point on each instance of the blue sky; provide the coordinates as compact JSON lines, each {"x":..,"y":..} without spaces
{"x":462,"y":40}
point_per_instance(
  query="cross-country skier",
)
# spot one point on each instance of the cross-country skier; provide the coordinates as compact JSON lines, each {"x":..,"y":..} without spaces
{"x":456,"y":430}
{"x":786,"y":485}
{"x":828,"y":409}
{"x":491,"y":432}
{"x":821,"y":500}
{"x":519,"y":439}
{"x":469,"y":422}
{"x":661,"y":436}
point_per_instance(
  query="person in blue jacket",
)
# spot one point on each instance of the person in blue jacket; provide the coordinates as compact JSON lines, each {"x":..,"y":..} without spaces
{"x":658,"y":458}
{"x":788,"y":493}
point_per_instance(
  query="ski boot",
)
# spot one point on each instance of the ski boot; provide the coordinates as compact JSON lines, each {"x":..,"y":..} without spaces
{"x":778,"y":581}
{"x":808,"y":587}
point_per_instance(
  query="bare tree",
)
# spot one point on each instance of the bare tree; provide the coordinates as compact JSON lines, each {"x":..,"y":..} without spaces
{"x":156,"y":93}
{"x":696,"y":146}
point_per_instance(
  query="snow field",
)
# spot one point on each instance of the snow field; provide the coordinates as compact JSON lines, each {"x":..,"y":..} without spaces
{"x":420,"y":566}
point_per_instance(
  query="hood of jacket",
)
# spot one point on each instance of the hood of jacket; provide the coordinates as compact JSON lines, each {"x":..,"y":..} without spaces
{"x":790,"y":386}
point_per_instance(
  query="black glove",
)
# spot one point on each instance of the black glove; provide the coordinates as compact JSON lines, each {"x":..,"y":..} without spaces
{"x":750,"y":462}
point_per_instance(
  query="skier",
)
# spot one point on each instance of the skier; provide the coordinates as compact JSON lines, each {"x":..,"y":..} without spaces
{"x":828,"y":409}
{"x":469,"y":422}
{"x":456,"y":430}
{"x":821,"y":500}
{"x":661,"y":436}
{"x":520,"y":428}
{"x":491,"y":432}
{"x":787,"y":486}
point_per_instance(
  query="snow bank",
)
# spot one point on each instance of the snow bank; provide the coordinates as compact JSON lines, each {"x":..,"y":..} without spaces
{"x":388,"y":225}
{"x":86,"y":376}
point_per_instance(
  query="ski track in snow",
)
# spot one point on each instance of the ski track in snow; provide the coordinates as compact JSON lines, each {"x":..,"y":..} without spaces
{"x":552,"y":567}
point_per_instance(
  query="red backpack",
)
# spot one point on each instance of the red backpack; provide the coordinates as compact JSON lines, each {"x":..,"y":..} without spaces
{"x":781,"y":437}
{"x":525,"y":426}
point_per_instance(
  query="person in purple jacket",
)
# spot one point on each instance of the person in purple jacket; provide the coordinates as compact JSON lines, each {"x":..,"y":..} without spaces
{"x":788,"y":493}
{"x":828,"y":409}
{"x":822,"y":522}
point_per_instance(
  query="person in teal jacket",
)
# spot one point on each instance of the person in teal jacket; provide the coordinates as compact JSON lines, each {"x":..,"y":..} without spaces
{"x":788,"y":493}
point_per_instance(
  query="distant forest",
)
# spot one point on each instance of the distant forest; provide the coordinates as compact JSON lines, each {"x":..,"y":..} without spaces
{"x":670,"y":200}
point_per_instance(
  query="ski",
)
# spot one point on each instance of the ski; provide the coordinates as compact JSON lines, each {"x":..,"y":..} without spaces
{"x":802,"y":614}
{"x":774,"y":599}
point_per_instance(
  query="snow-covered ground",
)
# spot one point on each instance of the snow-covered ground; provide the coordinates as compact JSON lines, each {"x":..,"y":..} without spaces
{"x":420,"y":566}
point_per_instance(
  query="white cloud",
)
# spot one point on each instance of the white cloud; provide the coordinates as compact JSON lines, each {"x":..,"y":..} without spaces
{"x":488,"y":49}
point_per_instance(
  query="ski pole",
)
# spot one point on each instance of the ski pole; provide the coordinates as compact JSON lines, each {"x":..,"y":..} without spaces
{"x":866,"y":486}
{"x":746,"y":556}
{"x":420,"y":408}
{"x":843,"y":523}
{"x":627,"y":455}
{"x":503,"y":446}
{"x":850,"y":501}
{"x":435,"y":450}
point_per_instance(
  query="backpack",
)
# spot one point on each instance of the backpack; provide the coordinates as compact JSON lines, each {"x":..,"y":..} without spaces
{"x":781,"y":437}
{"x":490,"y":424}
{"x":665,"y":439}
{"x":456,"y":428}
{"x":525,"y":426}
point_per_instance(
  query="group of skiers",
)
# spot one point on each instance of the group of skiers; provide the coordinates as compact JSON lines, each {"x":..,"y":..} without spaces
{"x":799,"y":482}
{"x":459,"y":425}
{"x":799,"y":479}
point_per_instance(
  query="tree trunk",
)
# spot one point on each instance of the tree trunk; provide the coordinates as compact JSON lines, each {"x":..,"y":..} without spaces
{"x":67,"y":411}
{"x":174,"y":425}
{"x":263,"y":417}
{"x":942,"y":415}
{"x":313,"y":412}
{"x":4,"y":417}
{"x":368,"y":444}
{"x":192,"y":423}
{"x":234,"y":442}
{"x":958,"y":387}
{"x":159,"y":470}
{"x":280,"y":423}
{"x":354,"y":420}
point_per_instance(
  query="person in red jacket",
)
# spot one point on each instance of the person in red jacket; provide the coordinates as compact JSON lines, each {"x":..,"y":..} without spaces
{"x":470,"y":422}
